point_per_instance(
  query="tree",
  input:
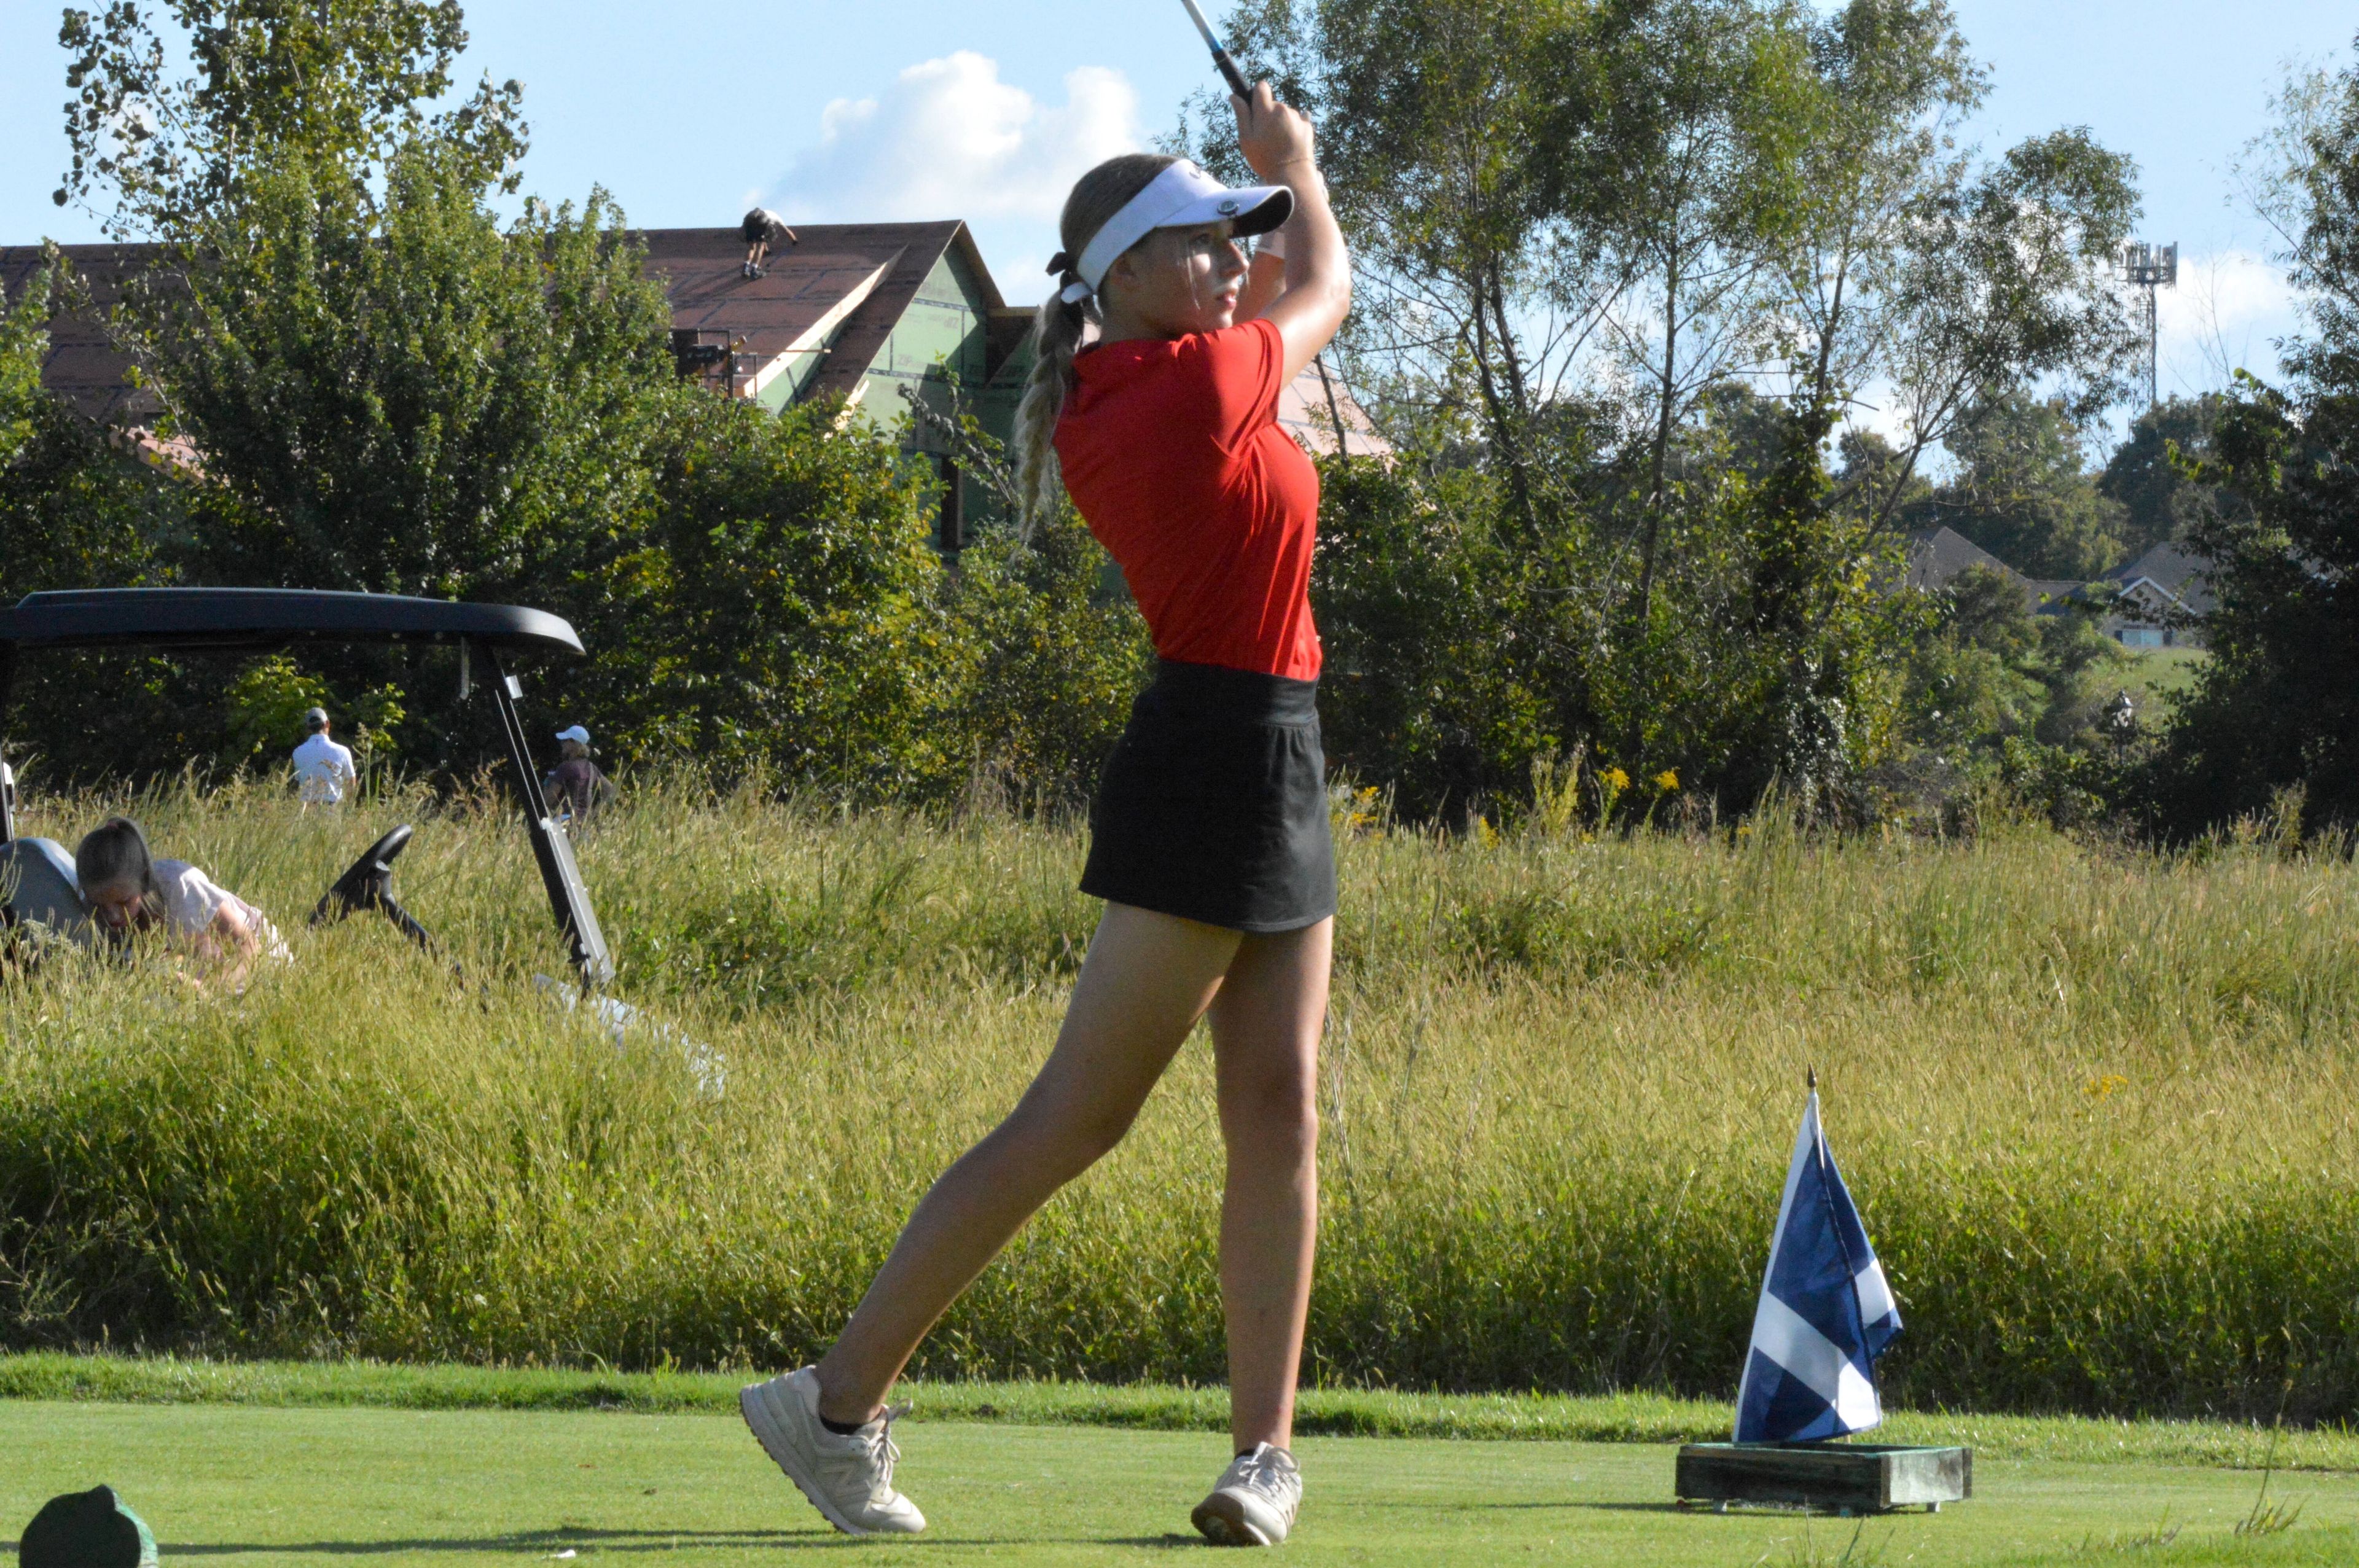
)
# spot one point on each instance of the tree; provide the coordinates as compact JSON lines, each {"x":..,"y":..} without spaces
{"x":1632,"y":261}
{"x":2152,"y":474}
{"x":771,"y":604}
{"x":2006,"y":283}
{"x":2277,"y":706}
{"x":343,"y":81}
{"x":391,"y":390}
{"x":1683,"y":171}
{"x":2022,"y":490}
{"x":78,"y":510}
{"x":405,"y":397}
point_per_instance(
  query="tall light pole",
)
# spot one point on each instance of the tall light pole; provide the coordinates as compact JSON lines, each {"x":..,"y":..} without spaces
{"x":2150,"y":267}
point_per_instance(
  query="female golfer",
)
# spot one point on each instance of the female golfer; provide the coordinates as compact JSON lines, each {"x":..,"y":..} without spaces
{"x":1209,"y":837}
{"x":128,"y":892}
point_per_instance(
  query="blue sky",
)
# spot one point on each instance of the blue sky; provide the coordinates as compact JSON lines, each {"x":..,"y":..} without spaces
{"x":688,"y":110}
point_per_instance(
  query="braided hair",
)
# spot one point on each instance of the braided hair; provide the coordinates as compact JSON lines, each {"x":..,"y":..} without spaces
{"x":1057,"y":331}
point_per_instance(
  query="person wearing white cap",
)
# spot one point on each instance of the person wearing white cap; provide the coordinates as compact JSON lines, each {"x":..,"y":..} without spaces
{"x":575,"y":788}
{"x":324,"y":769}
{"x":1209,"y":839}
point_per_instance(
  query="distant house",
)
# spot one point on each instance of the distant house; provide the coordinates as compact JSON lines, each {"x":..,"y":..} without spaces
{"x":2152,"y":598}
{"x":1936,"y":557}
{"x":2155,"y":597}
{"x":859,"y":311}
{"x":1939,"y":556}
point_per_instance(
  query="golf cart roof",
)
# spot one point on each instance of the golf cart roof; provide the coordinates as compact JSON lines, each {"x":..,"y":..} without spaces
{"x":236,"y":618}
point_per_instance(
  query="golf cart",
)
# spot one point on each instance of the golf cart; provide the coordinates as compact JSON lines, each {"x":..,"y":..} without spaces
{"x":37,"y":876}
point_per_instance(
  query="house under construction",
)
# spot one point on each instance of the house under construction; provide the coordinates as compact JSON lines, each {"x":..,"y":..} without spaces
{"x":873,"y":314}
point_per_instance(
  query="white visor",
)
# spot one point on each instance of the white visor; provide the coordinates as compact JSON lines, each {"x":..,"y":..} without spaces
{"x":1181,"y":196}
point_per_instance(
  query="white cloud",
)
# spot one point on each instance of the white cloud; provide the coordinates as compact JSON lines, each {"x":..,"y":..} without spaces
{"x":948,"y":139}
{"x":2223,"y":315}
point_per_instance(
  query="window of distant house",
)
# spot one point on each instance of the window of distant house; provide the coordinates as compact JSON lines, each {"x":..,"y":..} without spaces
{"x":2141,"y":637}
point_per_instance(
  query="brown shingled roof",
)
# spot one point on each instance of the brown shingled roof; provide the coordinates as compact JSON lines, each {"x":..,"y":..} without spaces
{"x":82,"y":367}
{"x":797,"y":305}
{"x":805,"y":288}
{"x":837,"y":295}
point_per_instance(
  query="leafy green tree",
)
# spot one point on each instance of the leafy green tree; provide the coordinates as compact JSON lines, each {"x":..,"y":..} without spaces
{"x":2152,"y":474}
{"x":392,"y":390}
{"x":773,"y":607}
{"x":1970,"y":686}
{"x":24,"y":343}
{"x":1681,"y":165}
{"x":404,"y":397}
{"x":1438,"y":658}
{"x":1049,"y":656}
{"x":2277,"y":706}
{"x":2006,"y":283}
{"x":347,"y":81}
{"x":2023,"y":492}
{"x":1868,"y":133}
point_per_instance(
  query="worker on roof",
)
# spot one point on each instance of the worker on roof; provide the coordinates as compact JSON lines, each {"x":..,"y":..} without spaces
{"x":762,"y":229}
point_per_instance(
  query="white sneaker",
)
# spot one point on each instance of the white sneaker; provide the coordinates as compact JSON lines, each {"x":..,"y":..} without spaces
{"x":1255,"y":1501}
{"x":847,"y":1477}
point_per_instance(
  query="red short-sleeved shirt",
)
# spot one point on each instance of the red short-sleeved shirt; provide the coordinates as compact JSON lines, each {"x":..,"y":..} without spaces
{"x":1172,"y":451}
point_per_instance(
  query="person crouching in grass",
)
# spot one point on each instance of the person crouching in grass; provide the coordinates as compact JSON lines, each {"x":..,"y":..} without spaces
{"x":128,"y":892}
{"x":1209,"y":839}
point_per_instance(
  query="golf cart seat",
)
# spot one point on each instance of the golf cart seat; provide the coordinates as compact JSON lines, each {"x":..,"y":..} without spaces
{"x":38,"y":890}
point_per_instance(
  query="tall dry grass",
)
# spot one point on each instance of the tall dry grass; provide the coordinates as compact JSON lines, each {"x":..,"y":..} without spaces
{"x":2097,"y":1108}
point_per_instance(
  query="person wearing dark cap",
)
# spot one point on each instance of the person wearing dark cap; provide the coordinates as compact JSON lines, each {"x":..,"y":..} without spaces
{"x":762,"y":229}
{"x":324,"y":769}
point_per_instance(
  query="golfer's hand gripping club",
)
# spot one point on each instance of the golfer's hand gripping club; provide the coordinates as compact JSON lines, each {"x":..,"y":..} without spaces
{"x":1271,"y":135}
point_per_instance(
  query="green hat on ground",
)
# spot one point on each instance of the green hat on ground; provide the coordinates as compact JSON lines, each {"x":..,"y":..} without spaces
{"x":86,"y":1530}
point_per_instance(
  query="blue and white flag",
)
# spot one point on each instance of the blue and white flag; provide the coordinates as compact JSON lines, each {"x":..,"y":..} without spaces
{"x":1825,"y":1314}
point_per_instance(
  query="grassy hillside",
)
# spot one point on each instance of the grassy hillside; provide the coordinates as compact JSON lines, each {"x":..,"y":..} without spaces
{"x":2096,"y":1108}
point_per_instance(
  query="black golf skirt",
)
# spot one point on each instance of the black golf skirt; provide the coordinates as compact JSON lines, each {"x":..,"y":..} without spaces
{"x":1213,"y":805}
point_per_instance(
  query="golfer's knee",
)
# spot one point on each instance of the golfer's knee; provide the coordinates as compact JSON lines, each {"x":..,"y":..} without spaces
{"x":1065,"y":1142}
{"x":1275,"y":1115}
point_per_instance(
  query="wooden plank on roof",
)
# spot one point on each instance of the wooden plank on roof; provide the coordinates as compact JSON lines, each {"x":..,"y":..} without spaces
{"x":813,"y":338}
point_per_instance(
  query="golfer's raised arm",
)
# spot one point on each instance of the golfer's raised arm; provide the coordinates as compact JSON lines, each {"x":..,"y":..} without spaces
{"x":1276,"y":142}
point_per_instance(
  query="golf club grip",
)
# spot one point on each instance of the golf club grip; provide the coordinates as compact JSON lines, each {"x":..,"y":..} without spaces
{"x":1229,"y":69}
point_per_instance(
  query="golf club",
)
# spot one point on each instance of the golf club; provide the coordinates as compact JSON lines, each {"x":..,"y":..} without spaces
{"x":1236,"y":78}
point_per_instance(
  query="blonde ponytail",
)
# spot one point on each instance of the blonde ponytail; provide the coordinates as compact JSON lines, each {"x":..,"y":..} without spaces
{"x":1057,"y":330}
{"x":1056,"y":337}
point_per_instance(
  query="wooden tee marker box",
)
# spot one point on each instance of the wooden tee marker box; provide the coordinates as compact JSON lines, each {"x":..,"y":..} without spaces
{"x":1833,"y":1477}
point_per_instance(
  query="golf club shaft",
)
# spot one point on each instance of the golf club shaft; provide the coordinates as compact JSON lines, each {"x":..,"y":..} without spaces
{"x":1220,"y":55}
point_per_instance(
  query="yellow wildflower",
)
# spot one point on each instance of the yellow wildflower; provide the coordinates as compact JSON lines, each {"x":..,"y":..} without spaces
{"x":1614,"y":779}
{"x":1669,"y":779}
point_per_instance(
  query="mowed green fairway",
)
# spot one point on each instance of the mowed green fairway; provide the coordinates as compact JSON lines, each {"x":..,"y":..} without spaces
{"x":325,"y":1486}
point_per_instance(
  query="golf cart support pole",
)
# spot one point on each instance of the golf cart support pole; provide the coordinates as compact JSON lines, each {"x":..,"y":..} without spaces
{"x":7,"y":779}
{"x":567,"y":900}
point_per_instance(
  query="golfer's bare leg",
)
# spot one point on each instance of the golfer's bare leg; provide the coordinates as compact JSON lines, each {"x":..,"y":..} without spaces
{"x":1146,"y":981}
{"x":1265,"y":1026}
